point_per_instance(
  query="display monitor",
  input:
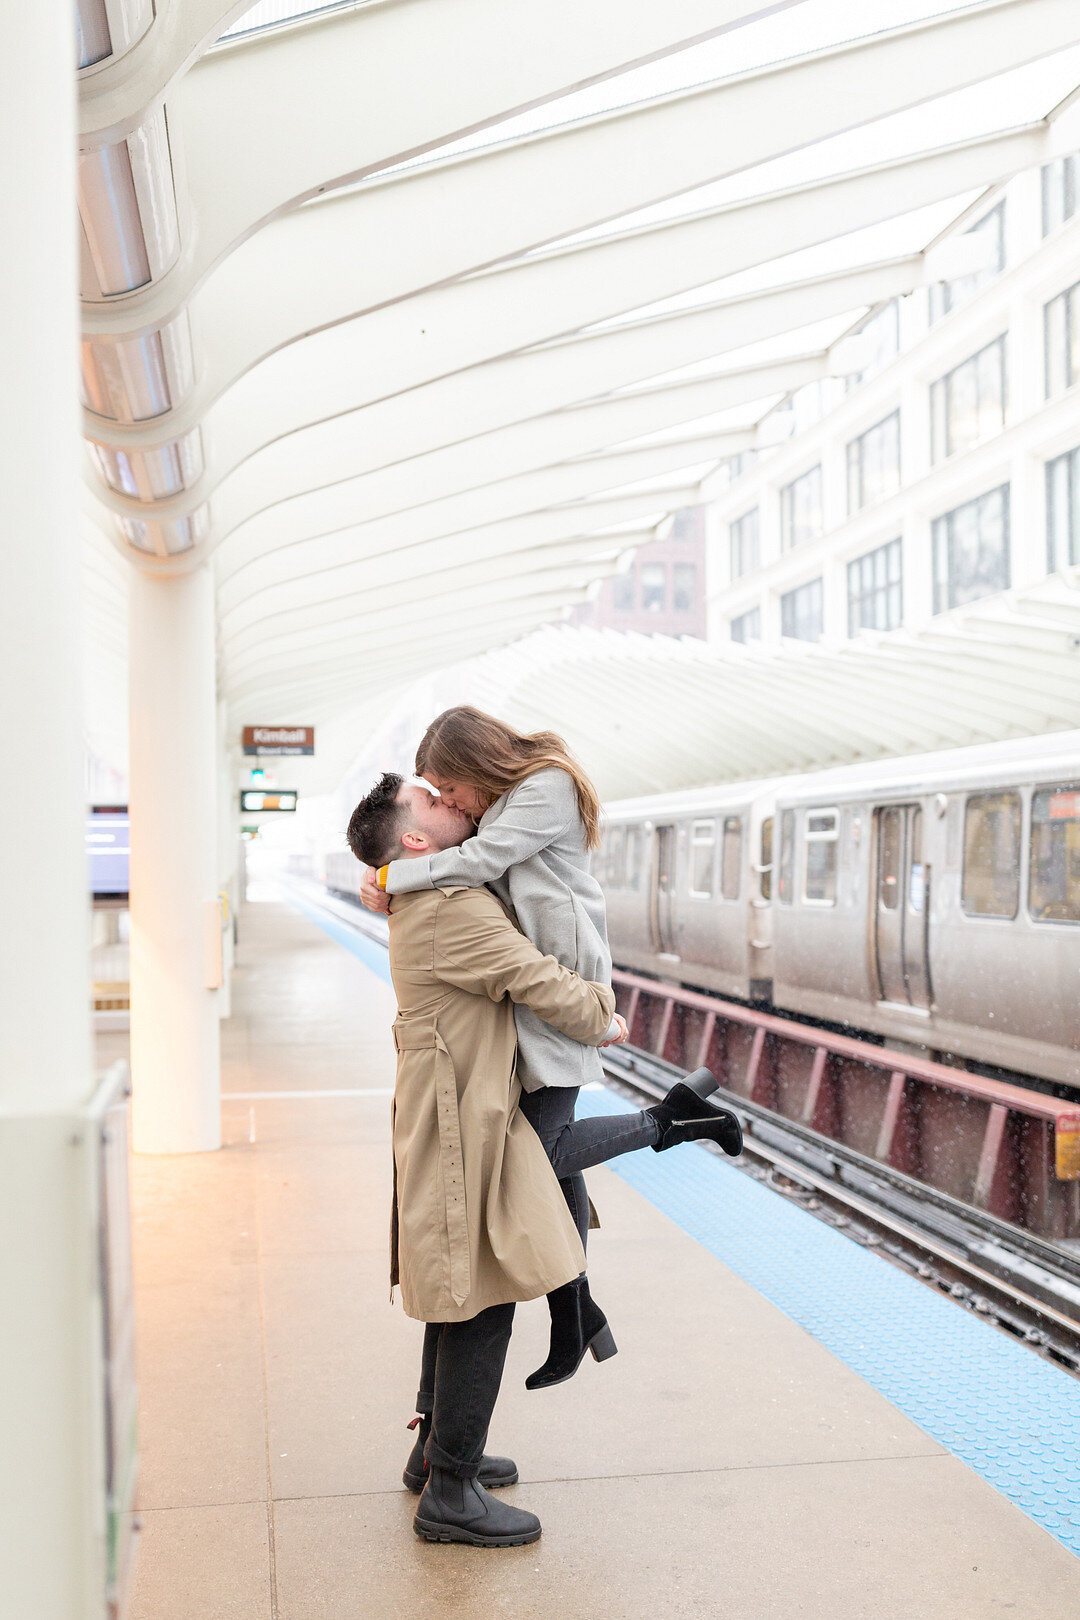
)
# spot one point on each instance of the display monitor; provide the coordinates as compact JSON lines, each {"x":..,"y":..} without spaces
{"x":107,"y":848}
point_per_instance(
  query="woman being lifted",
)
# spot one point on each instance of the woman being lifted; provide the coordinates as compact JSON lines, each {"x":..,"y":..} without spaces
{"x":537,"y":818}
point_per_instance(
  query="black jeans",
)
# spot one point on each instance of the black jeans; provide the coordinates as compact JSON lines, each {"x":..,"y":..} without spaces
{"x":574,"y":1145}
{"x":460,"y":1374}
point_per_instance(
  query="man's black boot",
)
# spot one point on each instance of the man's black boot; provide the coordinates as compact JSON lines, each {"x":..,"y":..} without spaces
{"x":577,"y":1324}
{"x":494,"y":1471}
{"x":453,"y":1509}
{"x":685,"y":1116}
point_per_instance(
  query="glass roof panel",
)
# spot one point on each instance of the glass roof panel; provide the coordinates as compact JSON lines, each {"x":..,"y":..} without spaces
{"x":273,"y":13}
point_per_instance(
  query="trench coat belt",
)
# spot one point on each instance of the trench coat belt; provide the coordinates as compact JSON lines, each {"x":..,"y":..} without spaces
{"x":422,"y":1034}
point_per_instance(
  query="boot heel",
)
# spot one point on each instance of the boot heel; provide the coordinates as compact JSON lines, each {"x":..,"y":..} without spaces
{"x":603,"y":1345}
{"x":702,"y":1083}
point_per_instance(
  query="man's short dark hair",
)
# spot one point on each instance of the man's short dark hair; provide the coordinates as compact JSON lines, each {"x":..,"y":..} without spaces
{"x":376,"y":825}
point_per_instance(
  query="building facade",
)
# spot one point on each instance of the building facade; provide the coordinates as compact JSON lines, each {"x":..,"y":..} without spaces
{"x":662,"y":591}
{"x":946,"y":471}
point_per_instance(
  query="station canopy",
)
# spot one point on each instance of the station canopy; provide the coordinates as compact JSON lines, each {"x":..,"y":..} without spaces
{"x":411,"y":318}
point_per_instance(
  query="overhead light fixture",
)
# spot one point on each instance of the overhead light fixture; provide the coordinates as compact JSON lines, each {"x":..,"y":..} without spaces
{"x":153,"y":474}
{"x":167,"y":538}
{"x":105,"y":29}
{"x":134,"y":379}
{"x":127,"y":206}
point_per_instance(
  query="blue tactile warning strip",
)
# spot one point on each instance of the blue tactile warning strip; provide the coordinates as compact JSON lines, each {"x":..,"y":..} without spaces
{"x":358,"y":944}
{"x":1014,"y":1418}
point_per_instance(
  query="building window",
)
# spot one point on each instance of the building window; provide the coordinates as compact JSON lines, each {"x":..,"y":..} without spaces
{"x":991,"y":883}
{"x":949,"y":295}
{"x":1063,"y":511}
{"x":819,"y":872}
{"x":1061,"y":338}
{"x":1054,"y":882}
{"x":633,"y":857}
{"x":1058,"y":192}
{"x":624,"y":593}
{"x":882,"y":336}
{"x":875,"y":589}
{"x":971,"y":550}
{"x":747,"y":627}
{"x":745,"y":535}
{"x":702,"y":859}
{"x":968,"y":403}
{"x":653,"y":587}
{"x":687,"y":523}
{"x":802,"y":612}
{"x":683,"y":587}
{"x":801,"y":510}
{"x":873,"y":464}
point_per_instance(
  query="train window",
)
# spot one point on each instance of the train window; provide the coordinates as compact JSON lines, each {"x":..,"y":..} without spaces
{"x":616,"y":865}
{"x":819,"y":876}
{"x":703,"y":859}
{"x":633,"y":857}
{"x":787,"y":857}
{"x":766,"y":858}
{"x":891,"y":836}
{"x":1054,"y":886}
{"x":731,"y":858}
{"x":991,"y":883}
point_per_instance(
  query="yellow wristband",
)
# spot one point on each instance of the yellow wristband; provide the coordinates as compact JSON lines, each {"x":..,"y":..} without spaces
{"x":381,"y":875}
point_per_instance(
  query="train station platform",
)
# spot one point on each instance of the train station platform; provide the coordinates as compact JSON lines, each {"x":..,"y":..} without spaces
{"x":741,"y":1456}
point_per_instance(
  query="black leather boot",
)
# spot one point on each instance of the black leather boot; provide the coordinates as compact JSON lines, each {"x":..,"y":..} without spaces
{"x":577,"y":1324}
{"x":453,"y":1509}
{"x":685,"y":1116}
{"x":494,"y":1471}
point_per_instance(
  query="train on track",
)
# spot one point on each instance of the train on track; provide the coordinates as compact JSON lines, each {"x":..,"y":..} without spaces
{"x":932,"y":900}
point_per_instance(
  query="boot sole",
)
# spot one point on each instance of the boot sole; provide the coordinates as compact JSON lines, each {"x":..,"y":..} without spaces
{"x":429,"y":1531}
{"x":416,"y":1482}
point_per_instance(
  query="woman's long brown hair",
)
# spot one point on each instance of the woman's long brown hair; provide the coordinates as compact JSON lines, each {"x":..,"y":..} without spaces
{"x":465,"y":745}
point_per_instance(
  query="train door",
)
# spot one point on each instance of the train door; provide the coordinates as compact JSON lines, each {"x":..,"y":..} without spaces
{"x":663,"y":898}
{"x":901,"y":915}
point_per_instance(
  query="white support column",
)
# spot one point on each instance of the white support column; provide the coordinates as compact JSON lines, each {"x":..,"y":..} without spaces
{"x":175,"y":936}
{"x":51,"y":1473}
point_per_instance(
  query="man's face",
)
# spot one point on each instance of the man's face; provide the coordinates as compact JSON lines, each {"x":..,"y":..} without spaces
{"x":442,"y":827}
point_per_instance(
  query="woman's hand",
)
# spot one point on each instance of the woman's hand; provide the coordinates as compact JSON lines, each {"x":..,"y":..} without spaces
{"x":371,"y":896}
{"x":623,"y":1035}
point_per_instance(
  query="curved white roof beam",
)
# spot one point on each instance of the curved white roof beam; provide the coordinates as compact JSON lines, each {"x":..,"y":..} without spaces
{"x":508,"y":452}
{"x":251,"y":148}
{"x":443,"y":417}
{"x":487,"y":317}
{"x":333,"y":587}
{"x":263,"y":641}
{"x":473,"y":508}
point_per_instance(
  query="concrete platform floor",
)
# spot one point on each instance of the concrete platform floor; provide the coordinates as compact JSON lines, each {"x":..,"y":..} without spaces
{"x":723,"y":1463}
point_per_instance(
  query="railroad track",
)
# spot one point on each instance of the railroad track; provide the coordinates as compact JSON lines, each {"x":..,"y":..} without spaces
{"x":1024,"y":1285}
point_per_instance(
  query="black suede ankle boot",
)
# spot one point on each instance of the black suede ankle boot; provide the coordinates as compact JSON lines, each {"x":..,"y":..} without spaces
{"x":494,"y":1471}
{"x":453,"y":1509}
{"x":685,"y":1116}
{"x":577,"y":1324}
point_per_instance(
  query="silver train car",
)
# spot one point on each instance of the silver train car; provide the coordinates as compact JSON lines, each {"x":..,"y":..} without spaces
{"x":933,"y":900}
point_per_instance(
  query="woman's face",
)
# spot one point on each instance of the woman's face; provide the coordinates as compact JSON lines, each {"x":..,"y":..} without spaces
{"x":459,"y":795}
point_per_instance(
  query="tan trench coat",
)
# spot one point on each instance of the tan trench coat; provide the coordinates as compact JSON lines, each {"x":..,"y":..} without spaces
{"x":478,"y":1216}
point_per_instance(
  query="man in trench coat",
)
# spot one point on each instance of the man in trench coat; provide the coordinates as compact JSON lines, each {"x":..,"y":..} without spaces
{"x":479,"y":1221}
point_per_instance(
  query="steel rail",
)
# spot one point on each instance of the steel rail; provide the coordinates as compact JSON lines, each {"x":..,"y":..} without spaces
{"x":1028,"y":1287}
